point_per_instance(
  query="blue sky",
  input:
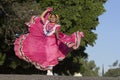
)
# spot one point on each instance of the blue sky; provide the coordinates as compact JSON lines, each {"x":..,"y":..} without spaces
{"x":107,"y":47}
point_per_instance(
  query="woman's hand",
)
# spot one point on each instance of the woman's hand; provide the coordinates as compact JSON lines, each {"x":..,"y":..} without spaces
{"x":81,"y":34}
{"x":49,"y":9}
{"x":57,"y":35}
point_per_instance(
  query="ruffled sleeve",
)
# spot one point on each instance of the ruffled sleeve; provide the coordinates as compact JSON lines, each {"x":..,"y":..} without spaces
{"x":33,"y":20}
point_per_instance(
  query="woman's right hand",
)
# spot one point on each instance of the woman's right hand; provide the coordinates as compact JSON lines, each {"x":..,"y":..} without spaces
{"x":49,"y":9}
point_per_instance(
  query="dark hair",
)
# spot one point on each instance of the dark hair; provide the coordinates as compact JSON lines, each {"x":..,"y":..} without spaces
{"x":54,"y":15}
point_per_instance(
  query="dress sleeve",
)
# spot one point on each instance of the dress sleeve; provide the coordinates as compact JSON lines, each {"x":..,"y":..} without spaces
{"x":33,"y":20}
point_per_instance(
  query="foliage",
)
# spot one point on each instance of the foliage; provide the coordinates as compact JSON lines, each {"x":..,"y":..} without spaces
{"x":115,"y":63}
{"x":89,"y":68}
{"x":74,"y":15}
{"x":114,"y":70}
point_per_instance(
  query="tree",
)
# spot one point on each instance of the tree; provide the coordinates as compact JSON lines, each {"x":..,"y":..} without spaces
{"x":114,"y":71}
{"x":12,"y":21}
{"x":102,"y":70}
{"x":115,"y":63}
{"x":89,"y":68}
{"x":74,"y":15}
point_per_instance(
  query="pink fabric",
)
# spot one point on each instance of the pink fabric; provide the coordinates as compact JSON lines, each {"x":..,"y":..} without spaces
{"x":41,"y":50}
{"x":66,"y":38}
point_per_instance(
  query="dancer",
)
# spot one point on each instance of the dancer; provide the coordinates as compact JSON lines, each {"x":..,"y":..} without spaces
{"x":44,"y":46}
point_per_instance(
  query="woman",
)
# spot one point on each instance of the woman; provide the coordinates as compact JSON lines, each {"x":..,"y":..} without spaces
{"x":45,"y":45}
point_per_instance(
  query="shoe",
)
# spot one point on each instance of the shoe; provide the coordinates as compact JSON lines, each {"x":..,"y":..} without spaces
{"x":49,"y":72}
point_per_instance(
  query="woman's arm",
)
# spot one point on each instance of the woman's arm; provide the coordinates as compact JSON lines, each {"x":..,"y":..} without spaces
{"x":57,"y":35}
{"x":42,"y":15}
{"x":48,"y":10}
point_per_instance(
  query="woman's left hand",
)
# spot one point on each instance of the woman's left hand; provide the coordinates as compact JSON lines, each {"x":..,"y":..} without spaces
{"x":50,"y":9}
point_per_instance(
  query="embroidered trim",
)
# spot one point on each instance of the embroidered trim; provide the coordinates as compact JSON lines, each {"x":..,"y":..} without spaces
{"x":49,"y":33}
{"x":32,"y":21}
{"x":76,"y":39}
{"x":38,"y":66}
{"x":20,"y":48}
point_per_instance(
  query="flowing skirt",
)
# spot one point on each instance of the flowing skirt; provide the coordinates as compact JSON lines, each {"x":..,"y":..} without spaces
{"x":44,"y":51}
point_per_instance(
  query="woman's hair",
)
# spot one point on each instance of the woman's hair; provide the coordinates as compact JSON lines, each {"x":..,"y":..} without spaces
{"x":56,"y":16}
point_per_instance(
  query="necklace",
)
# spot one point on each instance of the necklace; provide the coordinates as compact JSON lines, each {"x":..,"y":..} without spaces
{"x":49,"y":27}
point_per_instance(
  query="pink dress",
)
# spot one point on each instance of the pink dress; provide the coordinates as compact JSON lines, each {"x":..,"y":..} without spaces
{"x":40,"y":46}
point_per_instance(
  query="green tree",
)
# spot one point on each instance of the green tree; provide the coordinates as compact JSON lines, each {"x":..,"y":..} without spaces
{"x":114,"y":70}
{"x":74,"y":15}
{"x":12,"y":18}
{"x":115,"y":63}
{"x":89,"y":68}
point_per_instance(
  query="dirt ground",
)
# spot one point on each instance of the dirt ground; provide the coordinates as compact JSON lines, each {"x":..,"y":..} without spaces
{"x":44,"y":77}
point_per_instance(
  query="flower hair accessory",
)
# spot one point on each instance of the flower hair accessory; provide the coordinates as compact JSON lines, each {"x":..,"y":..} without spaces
{"x":50,"y":9}
{"x":57,"y":16}
{"x":53,"y":14}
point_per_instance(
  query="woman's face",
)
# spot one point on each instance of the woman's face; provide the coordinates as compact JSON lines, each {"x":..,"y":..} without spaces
{"x":53,"y":18}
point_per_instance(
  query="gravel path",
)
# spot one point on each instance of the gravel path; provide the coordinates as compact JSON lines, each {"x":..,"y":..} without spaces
{"x":44,"y":77}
